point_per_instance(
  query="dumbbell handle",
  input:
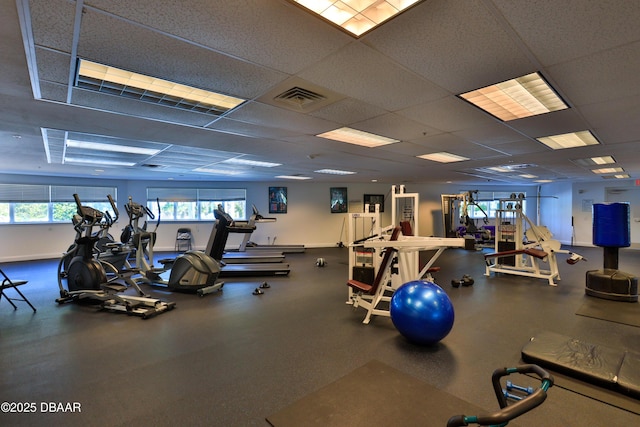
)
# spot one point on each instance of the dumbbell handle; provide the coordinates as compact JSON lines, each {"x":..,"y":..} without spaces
{"x":511,"y":396}
{"x":512,"y":386}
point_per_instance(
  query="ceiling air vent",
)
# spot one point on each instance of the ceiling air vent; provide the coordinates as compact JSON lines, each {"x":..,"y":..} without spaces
{"x":299,"y":97}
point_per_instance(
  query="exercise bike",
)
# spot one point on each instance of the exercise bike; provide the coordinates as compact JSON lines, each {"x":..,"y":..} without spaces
{"x":192,"y":271}
{"x":87,"y":278}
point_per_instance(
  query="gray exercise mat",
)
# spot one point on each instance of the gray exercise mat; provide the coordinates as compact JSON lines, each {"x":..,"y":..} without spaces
{"x":627,"y":313}
{"x":376,"y":395}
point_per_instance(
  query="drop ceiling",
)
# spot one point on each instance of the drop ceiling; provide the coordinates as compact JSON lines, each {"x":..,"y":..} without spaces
{"x":302,"y":77}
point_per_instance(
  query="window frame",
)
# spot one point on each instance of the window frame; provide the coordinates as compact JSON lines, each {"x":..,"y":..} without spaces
{"x":56,"y":200}
{"x":199,"y":201}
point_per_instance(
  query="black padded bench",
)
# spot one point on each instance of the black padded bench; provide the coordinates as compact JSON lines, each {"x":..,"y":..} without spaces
{"x":616,"y":369}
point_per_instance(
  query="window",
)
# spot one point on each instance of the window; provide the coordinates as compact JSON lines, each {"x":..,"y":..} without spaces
{"x":489,"y":202}
{"x":26,"y":203}
{"x":196,"y":204}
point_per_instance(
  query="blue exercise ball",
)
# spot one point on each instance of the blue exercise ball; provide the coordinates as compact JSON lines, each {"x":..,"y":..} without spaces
{"x":422,"y":312}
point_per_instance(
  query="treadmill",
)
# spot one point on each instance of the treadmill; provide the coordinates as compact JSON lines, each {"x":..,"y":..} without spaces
{"x":257,"y":257}
{"x":215,"y":249}
{"x":247,"y":245}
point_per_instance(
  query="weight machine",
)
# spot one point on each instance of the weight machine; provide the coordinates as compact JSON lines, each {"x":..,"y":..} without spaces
{"x":457,"y":206}
{"x":521,"y":247}
{"x":363,"y":263}
{"x":389,"y":254}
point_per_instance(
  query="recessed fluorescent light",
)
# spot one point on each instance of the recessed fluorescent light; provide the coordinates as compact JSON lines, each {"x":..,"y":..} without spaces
{"x":569,"y":140}
{"x":607,"y":170}
{"x":148,"y":88}
{"x":443,"y":157}
{"x":499,"y":169}
{"x":524,"y":96}
{"x":101,"y":146}
{"x":298,"y":177}
{"x":357,"y":137}
{"x":101,"y":162}
{"x":543,"y":181}
{"x":356,"y":17}
{"x":528,"y":175}
{"x":247,"y":162}
{"x":622,"y":176}
{"x":334,"y":172}
{"x":217,"y":171}
{"x":604,"y":160}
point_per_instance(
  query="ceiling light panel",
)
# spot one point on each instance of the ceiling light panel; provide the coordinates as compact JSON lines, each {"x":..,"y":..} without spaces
{"x":356,"y":16}
{"x":569,"y":140}
{"x":607,"y":170}
{"x":189,"y":157}
{"x":357,"y":137}
{"x":101,"y":146}
{"x":247,"y":162}
{"x":443,"y":157}
{"x":115,"y":81}
{"x":217,"y":171}
{"x":295,"y":177}
{"x":524,"y":96}
{"x":101,"y":162}
{"x":334,"y":172}
{"x":593,"y":161}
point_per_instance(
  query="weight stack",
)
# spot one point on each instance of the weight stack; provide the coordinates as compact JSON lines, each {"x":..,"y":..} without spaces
{"x":612,"y":284}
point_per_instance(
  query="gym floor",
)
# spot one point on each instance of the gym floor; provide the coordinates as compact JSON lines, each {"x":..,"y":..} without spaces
{"x":232,"y":358}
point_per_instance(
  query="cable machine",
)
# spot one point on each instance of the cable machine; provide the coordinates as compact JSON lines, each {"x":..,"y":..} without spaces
{"x":405,"y":213}
{"x":457,"y":206}
{"x":363,"y":263}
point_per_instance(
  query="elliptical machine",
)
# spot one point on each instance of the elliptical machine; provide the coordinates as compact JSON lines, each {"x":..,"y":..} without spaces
{"x":86,"y":277}
{"x":111,"y":254}
{"x":192,"y":271}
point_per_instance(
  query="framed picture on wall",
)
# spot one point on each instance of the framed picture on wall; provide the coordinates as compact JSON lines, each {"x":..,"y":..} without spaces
{"x":372,"y":200}
{"x":277,"y":200}
{"x":339,"y":202}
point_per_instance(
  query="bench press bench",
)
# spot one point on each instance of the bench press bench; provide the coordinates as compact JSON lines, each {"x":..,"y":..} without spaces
{"x":538,"y":253}
{"x":529,"y":266}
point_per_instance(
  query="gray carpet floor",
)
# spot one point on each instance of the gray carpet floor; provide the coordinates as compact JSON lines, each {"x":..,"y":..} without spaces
{"x":232,"y":358}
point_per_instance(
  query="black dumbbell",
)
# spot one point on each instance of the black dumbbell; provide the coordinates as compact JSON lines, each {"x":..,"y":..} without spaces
{"x":465,"y":281}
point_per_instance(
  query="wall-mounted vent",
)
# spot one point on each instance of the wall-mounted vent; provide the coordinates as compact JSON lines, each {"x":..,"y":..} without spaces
{"x":299,"y":97}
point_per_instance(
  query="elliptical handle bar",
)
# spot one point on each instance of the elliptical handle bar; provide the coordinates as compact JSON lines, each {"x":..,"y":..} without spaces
{"x":89,"y":215}
{"x":136,"y":210}
{"x":508,"y":413}
{"x":115,"y":209}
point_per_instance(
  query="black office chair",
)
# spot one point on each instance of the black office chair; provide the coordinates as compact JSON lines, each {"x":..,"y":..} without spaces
{"x":184,"y":239}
